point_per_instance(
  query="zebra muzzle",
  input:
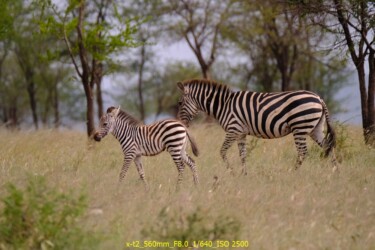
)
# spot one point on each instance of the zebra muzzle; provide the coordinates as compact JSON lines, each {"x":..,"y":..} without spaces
{"x":97,"y":137}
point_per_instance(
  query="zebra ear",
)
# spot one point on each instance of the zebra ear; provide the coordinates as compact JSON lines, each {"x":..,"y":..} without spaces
{"x":117,"y":111}
{"x":182,"y":87}
{"x":110,"y":109}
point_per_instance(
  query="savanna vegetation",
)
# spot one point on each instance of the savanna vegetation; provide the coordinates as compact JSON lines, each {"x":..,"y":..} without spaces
{"x":62,"y":61}
{"x":61,"y":182}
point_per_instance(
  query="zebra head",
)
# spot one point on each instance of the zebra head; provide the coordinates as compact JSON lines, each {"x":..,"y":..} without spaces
{"x":106,"y":123}
{"x":187,"y":105}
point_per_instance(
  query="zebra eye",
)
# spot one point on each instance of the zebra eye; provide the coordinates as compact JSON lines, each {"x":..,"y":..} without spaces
{"x":105,"y":123}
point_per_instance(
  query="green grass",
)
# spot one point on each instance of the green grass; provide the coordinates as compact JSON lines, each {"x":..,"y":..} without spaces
{"x":311,"y":208}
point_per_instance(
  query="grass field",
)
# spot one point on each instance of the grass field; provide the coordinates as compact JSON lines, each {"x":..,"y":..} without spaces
{"x":272,"y":208}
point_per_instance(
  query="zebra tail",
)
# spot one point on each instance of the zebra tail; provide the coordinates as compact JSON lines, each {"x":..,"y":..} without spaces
{"x":193,"y":144}
{"x":330,"y":137}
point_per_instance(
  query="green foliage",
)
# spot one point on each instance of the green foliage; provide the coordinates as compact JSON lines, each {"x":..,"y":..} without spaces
{"x":164,"y":87}
{"x":101,"y":39}
{"x":197,"y":225}
{"x":160,"y":90}
{"x":344,"y":143}
{"x":6,"y":18}
{"x":39,"y":217}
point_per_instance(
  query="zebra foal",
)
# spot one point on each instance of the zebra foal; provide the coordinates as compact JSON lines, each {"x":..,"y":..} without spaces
{"x":137,"y":139}
{"x":264,"y":115}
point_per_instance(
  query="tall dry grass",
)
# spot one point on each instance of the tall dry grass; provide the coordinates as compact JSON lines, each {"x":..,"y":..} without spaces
{"x":311,"y":208}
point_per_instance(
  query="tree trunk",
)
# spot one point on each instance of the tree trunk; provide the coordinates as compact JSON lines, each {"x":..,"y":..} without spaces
{"x":10,"y":115}
{"x":99,"y":96}
{"x":31,"y":92}
{"x":367,"y":99}
{"x":204,"y":68}
{"x":47,"y":102}
{"x":13,"y":117}
{"x":362,"y":90}
{"x":285,"y":62}
{"x":284,"y":80}
{"x":140,"y":84}
{"x":85,"y":75}
{"x":90,"y":107}
{"x":369,"y":127}
{"x":55,"y":102}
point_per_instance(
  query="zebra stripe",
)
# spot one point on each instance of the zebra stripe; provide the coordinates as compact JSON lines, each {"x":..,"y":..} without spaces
{"x":264,"y":115}
{"x":137,"y":139}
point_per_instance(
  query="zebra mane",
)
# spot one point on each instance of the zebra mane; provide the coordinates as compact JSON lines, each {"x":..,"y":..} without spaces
{"x":211,"y":83}
{"x":125,"y":116}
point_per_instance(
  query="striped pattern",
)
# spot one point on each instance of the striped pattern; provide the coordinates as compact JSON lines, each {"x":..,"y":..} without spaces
{"x":137,"y":140}
{"x":264,"y":115}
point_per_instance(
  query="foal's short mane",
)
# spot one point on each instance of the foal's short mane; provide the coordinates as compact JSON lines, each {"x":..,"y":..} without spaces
{"x":206,"y":82}
{"x":129,"y":118}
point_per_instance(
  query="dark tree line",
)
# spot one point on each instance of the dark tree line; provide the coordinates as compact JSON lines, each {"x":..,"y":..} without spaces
{"x":267,"y":45}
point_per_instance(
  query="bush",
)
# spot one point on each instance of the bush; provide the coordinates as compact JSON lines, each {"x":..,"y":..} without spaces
{"x":39,"y":217}
{"x":344,"y":143}
{"x":191,"y":228}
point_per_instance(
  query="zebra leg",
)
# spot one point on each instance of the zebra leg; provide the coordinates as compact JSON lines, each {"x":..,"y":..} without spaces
{"x":141,"y":173}
{"x":242,"y":149}
{"x":180,"y":167}
{"x":300,"y":142}
{"x":127,"y":161}
{"x":190,"y":162}
{"x":334,"y":162}
{"x":176,"y":156}
{"x":318,"y":136}
{"x":229,"y":140}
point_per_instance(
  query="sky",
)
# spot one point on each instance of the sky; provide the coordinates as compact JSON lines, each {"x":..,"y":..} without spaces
{"x":351,"y":101}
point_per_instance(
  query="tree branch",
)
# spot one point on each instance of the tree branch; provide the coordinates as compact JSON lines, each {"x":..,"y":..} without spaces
{"x":67,"y":42}
{"x":81,"y":46}
{"x":344,"y":23}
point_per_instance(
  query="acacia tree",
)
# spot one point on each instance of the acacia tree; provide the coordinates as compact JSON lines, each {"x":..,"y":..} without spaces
{"x":91,"y":36}
{"x":275,"y":39}
{"x":8,"y":10}
{"x":164,"y":86}
{"x":24,"y":74}
{"x":26,"y":46}
{"x":27,"y":61}
{"x":199,"y":24}
{"x":358,"y":26}
{"x":12,"y":100}
{"x":145,"y":13}
{"x":26,"y":52}
{"x":283,"y":40}
{"x":52,"y":79}
{"x":354,"y":24}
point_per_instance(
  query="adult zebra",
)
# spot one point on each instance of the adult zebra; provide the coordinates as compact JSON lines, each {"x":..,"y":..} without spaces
{"x":137,"y":139}
{"x":264,"y":115}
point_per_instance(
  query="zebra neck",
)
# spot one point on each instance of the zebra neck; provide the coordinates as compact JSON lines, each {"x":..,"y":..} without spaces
{"x":124,"y":130}
{"x":216,"y":104}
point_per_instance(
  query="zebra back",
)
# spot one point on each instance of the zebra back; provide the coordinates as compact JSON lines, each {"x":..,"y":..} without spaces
{"x":265,"y":115}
